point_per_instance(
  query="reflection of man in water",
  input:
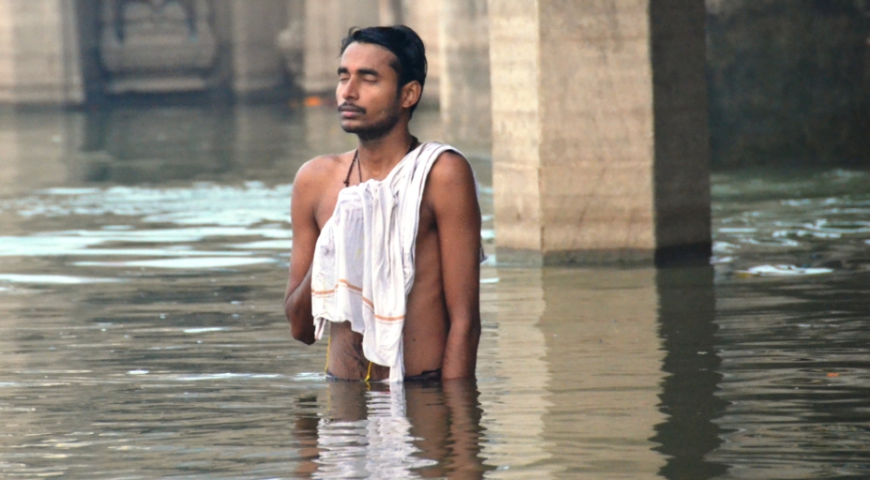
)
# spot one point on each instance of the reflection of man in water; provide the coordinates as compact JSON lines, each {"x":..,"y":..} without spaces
{"x":380,"y":79}
{"x":437,"y":436}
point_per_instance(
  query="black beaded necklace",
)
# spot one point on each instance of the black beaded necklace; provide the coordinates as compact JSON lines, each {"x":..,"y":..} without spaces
{"x":356,"y":161}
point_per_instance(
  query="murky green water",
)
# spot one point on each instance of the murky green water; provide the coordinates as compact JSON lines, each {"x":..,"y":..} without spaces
{"x":143,"y":257}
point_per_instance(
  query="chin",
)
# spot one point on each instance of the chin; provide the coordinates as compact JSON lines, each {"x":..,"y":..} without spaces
{"x":349,"y":128}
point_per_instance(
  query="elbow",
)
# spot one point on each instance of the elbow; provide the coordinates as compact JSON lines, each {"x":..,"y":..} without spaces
{"x":300,"y":329}
{"x":305,"y":336}
{"x":469,"y":331}
{"x":475,"y":330}
{"x":472,"y":333}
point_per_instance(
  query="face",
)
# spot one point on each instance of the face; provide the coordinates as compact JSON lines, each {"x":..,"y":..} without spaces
{"x":369,"y":101}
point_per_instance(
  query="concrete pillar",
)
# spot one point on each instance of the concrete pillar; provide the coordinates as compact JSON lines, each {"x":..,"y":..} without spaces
{"x":423,"y":18}
{"x":326,"y":23}
{"x":600,"y":143}
{"x":39,"y":53}
{"x":390,"y":12}
{"x":258,"y":64}
{"x":291,"y":41}
{"x":464,"y":88}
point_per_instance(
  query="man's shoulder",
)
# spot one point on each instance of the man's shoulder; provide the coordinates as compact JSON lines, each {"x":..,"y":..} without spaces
{"x":451,"y":183}
{"x":449,"y":168}
{"x":320,"y":170}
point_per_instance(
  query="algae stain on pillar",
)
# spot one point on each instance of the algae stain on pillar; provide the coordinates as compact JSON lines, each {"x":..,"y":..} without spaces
{"x":599,"y":134}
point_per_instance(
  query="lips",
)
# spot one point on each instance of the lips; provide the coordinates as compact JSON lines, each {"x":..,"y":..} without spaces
{"x":350,"y":110}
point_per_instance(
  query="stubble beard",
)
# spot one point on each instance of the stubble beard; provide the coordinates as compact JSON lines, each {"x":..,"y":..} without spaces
{"x":380,"y":128}
{"x":375,"y":130}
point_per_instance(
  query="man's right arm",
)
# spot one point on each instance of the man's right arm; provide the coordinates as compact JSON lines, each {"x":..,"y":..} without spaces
{"x":297,"y":298}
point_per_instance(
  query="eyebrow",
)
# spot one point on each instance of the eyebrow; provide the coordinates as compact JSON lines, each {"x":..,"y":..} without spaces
{"x":361,"y":71}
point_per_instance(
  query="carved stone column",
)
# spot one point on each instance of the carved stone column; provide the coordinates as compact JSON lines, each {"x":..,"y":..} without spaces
{"x":157,"y":45}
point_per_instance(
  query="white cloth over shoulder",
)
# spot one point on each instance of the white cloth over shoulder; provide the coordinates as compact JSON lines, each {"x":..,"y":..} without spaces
{"x":363,"y":266}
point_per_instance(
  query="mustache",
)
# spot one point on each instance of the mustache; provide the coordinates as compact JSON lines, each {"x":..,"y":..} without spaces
{"x":348,"y":107}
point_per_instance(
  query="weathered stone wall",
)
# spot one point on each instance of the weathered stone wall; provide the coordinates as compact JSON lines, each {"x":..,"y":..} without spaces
{"x":789,"y":81}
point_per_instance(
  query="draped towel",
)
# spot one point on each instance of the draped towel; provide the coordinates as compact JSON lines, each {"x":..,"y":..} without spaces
{"x":363,"y":266}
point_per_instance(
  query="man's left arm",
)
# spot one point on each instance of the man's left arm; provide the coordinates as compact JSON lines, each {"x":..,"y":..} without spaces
{"x":457,"y":216}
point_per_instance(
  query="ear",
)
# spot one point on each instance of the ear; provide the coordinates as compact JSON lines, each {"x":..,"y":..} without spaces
{"x":410,"y":94}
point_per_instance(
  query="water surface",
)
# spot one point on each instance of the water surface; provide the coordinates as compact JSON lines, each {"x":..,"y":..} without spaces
{"x":143,"y":257}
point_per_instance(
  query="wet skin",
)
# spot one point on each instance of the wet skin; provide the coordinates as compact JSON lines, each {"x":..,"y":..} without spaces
{"x":442,"y":322}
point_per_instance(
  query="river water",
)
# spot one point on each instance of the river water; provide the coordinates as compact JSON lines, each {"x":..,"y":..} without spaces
{"x":143,"y":257}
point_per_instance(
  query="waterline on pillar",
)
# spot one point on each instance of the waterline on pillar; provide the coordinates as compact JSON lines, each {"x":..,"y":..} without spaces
{"x":682,"y":255}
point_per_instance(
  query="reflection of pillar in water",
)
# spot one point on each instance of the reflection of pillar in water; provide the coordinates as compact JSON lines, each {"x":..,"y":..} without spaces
{"x":134,"y":145}
{"x":36,"y":149}
{"x":514,"y":412}
{"x":689,"y":393}
{"x":260,"y":140}
{"x":604,"y":358}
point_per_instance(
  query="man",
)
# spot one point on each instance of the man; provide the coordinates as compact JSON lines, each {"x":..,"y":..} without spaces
{"x":380,"y":80}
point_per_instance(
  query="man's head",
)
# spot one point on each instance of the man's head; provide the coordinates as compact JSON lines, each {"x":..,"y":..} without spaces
{"x":375,"y":62}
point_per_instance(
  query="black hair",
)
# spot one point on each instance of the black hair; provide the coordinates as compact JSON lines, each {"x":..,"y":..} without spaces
{"x":402,"y":42}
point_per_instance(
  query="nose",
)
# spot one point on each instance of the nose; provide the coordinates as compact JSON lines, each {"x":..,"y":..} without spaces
{"x":347,"y":90}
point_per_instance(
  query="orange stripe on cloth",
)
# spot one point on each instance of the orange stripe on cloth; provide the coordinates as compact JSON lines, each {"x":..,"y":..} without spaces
{"x":353,"y":288}
{"x":341,"y":283}
{"x":349,"y":285}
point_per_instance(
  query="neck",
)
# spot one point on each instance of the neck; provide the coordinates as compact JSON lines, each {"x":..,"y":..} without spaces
{"x":377,"y":156}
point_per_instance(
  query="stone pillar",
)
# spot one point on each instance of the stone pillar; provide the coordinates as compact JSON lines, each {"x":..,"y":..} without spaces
{"x":39,"y":53}
{"x":390,"y":12}
{"x":600,"y":143}
{"x":464,"y":55}
{"x":423,"y":18}
{"x":326,"y":23}
{"x":291,"y":41}
{"x":258,"y":64}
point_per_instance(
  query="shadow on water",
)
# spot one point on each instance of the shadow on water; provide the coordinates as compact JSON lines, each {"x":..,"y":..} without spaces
{"x":687,"y":327}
